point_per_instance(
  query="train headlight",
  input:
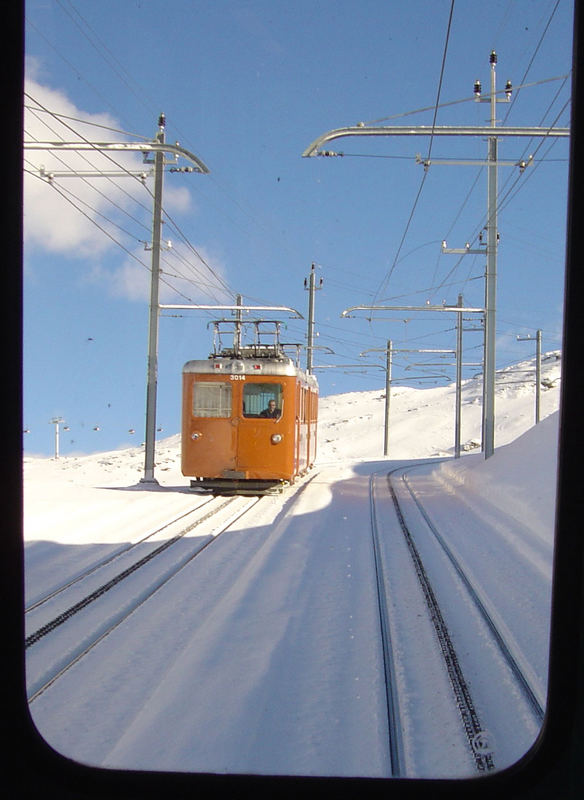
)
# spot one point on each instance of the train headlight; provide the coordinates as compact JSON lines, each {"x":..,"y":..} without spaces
{"x":276,"y":438}
{"x":196,"y":435}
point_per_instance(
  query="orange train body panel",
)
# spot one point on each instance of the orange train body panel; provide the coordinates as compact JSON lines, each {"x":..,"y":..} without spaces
{"x":229,"y":430}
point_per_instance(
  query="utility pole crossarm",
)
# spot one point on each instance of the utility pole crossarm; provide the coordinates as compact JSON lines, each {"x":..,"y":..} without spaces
{"x":426,"y":130}
{"x":158,"y":147}
{"x":184,"y":306}
{"x":492,"y":133}
{"x":143,"y":147}
{"x":465,"y":309}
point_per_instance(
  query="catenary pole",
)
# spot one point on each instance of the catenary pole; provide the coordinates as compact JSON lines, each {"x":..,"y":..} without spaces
{"x":537,"y":370}
{"x":310,"y":284}
{"x":56,"y":421}
{"x":388,"y":357}
{"x":537,"y":376}
{"x":490,"y":279}
{"x":315,"y":149}
{"x":389,"y":351}
{"x":310,"y":342}
{"x":458,"y":403}
{"x":154,"y":311}
{"x":158,"y":147}
{"x":459,"y":309}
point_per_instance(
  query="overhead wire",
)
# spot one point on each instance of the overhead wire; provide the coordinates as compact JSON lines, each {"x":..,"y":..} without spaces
{"x":551,"y":104}
{"x":92,"y":145}
{"x":101,"y":48}
{"x":510,"y":193}
{"x":85,"y":179}
{"x":88,"y":122}
{"x":425,"y":175}
{"x":104,"y":99}
{"x":75,"y":200}
{"x":166,"y":214}
{"x":194,"y":250}
{"x":460,"y":101}
{"x":508,"y":196}
{"x":469,"y":276}
{"x":429,"y":108}
{"x":99,"y":45}
{"x":68,"y":195}
{"x":503,"y":200}
{"x":176,"y":227}
{"x":197,"y":278}
{"x":71,"y":194}
{"x":532,"y":59}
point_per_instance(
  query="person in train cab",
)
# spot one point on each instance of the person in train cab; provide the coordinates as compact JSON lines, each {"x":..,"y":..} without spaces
{"x":271,"y":411}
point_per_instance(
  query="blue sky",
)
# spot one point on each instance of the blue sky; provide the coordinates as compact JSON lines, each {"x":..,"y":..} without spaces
{"x":247,"y":86}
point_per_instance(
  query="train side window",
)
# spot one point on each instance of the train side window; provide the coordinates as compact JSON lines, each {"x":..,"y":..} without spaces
{"x":211,"y":399}
{"x":257,"y":396}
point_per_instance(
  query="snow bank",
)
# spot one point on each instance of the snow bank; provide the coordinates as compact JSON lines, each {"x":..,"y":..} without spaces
{"x":519,"y":479}
{"x":242,"y":661}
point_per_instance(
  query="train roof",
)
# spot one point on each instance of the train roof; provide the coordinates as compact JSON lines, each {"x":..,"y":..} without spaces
{"x":247,"y":365}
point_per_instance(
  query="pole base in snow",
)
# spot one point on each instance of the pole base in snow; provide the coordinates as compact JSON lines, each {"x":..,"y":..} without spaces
{"x":152,"y":481}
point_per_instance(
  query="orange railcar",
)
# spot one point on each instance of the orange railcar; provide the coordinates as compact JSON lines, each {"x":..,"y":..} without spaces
{"x":249,"y":421}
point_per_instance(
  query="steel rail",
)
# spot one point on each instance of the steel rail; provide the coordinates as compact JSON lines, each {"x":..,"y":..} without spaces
{"x":531,"y":694}
{"x":396,"y":747}
{"x":475,"y":733}
{"x":143,"y":597}
{"x":122,"y":551}
{"x":104,"y":588}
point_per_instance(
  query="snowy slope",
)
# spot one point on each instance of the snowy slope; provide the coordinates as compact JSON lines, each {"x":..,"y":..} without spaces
{"x":265,"y":657}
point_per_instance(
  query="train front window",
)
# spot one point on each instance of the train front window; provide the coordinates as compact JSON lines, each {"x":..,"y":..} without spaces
{"x":211,"y":399}
{"x":262,"y":400}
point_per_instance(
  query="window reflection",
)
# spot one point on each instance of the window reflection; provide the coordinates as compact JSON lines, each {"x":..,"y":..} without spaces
{"x":262,"y":400}
{"x":211,"y":399}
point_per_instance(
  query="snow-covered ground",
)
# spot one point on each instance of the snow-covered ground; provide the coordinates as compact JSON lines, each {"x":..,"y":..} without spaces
{"x":263,"y":655}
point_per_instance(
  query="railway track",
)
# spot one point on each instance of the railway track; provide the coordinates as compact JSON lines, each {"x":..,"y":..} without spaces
{"x":395,"y":740}
{"x":473,"y":727}
{"x":138,"y":575}
{"x":454,"y":640}
{"x":431,"y":693}
{"x":509,"y":650}
{"x":116,"y":555}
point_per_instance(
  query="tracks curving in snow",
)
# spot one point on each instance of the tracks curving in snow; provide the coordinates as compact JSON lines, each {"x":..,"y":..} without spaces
{"x":396,"y":753}
{"x":497,"y":693}
{"x":267,"y":655}
{"x":508,"y":649}
{"x":474,"y":731}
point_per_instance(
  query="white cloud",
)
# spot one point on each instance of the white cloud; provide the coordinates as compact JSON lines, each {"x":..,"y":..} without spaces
{"x":177,"y":198}
{"x":118,"y":263}
{"x":63,"y":218}
{"x":184,"y":278}
{"x":196,"y":277}
{"x":131,"y":280}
